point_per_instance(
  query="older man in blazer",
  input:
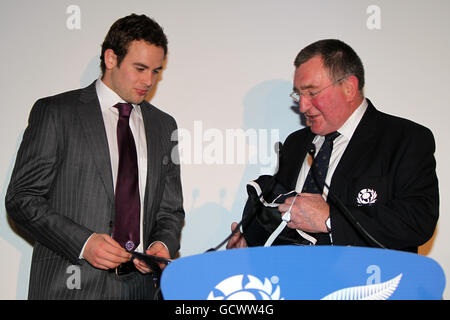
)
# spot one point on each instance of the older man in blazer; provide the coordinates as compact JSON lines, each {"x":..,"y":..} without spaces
{"x":62,"y":189}
{"x":381,"y":170}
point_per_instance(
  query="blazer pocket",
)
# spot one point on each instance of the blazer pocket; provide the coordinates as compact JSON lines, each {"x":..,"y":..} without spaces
{"x":368,"y":191}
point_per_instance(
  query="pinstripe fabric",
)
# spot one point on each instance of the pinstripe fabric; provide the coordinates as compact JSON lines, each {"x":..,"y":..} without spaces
{"x":61,"y":191}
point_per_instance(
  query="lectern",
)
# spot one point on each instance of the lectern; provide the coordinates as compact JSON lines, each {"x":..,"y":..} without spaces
{"x":303,"y":273}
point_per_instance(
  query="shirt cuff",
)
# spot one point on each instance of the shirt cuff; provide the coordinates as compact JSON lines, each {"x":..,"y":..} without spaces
{"x":82,"y":249}
{"x":159,"y":242}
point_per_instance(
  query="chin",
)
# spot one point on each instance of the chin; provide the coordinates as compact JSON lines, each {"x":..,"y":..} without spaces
{"x":136,"y":100}
{"x":316,"y":130}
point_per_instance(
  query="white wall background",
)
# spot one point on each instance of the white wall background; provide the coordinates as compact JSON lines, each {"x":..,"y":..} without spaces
{"x":229,"y":67}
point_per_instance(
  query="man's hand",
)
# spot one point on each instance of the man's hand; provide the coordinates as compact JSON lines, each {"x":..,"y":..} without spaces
{"x":237,"y":240}
{"x":156,"y":249}
{"x":308,"y":213}
{"x":104,"y":252}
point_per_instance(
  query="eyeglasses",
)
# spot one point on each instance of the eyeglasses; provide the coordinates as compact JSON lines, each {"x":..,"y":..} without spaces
{"x":295,"y":95}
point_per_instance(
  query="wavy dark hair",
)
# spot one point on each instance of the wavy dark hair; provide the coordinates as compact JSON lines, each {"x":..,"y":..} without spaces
{"x":130,"y":28}
{"x":339,"y":59}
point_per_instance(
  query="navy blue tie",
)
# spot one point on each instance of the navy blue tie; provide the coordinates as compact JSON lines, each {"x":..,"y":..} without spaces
{"x":315,"y":180}
{"x":316,"y":176}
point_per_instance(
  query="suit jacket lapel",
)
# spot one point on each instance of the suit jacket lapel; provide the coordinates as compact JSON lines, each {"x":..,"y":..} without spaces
{"x":358,"y":146}
{"x":152,"y":134}
{"x":91,"y":118}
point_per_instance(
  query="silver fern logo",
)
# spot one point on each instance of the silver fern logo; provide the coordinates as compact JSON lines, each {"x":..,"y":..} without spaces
{"x":366,"y":197}
{"x":380,"y":291}
{"x":247,"y":287}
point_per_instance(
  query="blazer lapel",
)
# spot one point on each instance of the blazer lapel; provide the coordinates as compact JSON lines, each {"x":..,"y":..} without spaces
{"x":91,"y":118}
{"x":358,"y":146}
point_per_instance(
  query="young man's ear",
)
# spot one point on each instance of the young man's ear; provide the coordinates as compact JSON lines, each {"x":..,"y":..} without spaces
{"x":110,"y":59}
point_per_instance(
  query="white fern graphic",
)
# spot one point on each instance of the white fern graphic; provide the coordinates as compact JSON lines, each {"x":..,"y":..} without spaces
{"x":380,"y":291}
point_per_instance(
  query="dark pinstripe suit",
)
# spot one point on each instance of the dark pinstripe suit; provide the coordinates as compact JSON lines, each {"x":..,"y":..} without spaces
{"x":61,"y":191}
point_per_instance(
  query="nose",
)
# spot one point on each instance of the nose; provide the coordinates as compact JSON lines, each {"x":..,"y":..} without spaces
{"x":148,"y":79}
{"x":304,"y":104}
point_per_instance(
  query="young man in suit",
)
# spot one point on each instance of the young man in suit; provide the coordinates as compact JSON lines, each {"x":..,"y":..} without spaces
{"x":71,"y":164}
{"x":381,"y":167}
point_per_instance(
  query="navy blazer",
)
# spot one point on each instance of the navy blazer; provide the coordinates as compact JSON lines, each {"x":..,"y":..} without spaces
{"x":394,"y":158}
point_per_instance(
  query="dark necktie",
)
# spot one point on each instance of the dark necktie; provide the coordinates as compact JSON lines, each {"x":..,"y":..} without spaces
{"x":315,"y":180}
{"x":126,"y":225}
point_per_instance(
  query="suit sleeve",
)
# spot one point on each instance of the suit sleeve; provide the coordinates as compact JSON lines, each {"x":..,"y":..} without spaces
{"x":27,"y":198}
{"x":407,"y":216}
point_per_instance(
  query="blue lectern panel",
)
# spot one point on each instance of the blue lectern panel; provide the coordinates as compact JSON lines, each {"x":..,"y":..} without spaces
{"x":295,"y":273}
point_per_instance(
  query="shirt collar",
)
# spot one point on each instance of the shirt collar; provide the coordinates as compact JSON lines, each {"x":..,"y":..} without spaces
{"x":108,"y":98}
{"x":349,"y":126}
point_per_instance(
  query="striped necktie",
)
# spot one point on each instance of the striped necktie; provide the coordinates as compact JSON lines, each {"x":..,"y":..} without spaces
{"x":315,"y":180}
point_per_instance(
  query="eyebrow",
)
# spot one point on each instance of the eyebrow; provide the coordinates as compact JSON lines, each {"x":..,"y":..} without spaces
{"x":304,"y":88}
{"x":139,"y":64}
{"x":310,"y":86}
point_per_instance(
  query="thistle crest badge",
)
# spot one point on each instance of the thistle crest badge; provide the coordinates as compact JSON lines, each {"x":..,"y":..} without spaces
{"x":366,"y":197}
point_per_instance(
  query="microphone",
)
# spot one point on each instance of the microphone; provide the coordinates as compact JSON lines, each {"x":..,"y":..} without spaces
{"x":244,"y":219}
{"x":347,"y":213}
{"x":227,"y":238}
{"x":278,"y":147}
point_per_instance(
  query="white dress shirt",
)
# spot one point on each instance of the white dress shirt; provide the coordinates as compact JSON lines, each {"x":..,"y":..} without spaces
{"x":340,"y":144}
{"x":108,"y":99}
